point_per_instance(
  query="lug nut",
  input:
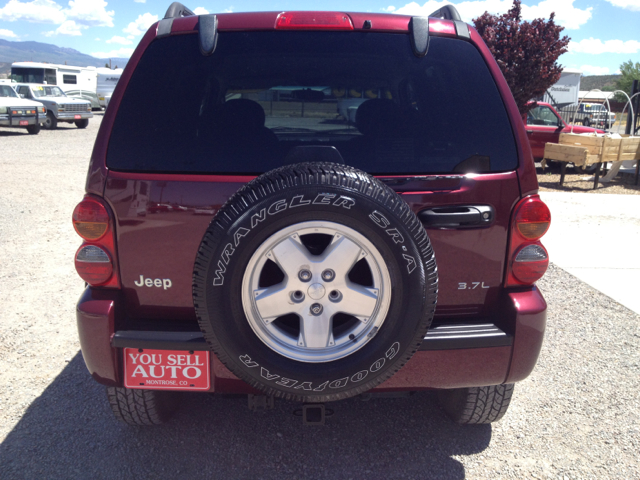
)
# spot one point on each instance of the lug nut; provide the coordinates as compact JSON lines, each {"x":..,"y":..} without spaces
{"x":304,"y":275}
{"x":335,"y":296}
{"x":328,"y":275}
{"x":316,"y":309}
{"x":297,"y":296}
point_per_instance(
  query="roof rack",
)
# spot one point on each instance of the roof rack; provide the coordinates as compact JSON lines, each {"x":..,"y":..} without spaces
{"x":207,"y":26}
{"x":176,"y":10}
{"x":448,"y":12}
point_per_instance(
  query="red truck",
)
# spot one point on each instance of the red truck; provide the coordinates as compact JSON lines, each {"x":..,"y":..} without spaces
{"x":544,"y":125}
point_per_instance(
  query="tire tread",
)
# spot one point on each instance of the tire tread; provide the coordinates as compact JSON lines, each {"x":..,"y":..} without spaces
{"x":476,"y":405}
{"x":141,"y":407}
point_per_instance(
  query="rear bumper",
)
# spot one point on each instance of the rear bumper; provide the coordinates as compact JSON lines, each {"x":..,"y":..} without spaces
{"x":502,"y":349}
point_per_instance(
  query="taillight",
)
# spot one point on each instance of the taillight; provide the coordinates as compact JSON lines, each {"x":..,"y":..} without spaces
{"x":313,"y":21}
{"x":93,"y":264}
{"x":532,"y":218}
{"x":528,"y":259}
{"x":90,"y":219}
{"x":95,"y":259}
{"x":530,"y":263}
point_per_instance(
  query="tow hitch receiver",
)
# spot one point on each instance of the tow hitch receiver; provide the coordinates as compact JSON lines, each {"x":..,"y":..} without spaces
{"x":313,"y":414}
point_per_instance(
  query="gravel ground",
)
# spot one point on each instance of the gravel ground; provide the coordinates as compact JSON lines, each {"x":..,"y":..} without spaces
{"x":577,"y":416}
{"x":577,"y":182}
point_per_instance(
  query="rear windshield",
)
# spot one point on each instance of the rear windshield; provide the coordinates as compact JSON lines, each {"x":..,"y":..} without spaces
{"x":267,"y":99}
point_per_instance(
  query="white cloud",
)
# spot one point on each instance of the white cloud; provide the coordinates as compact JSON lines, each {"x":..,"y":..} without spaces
{"x":141,"y":24}
{"x":201,"y":11}
{"x":567,"y":15}
{"x":69,"y":27}
{"x":593,"y":70}
{"x":37,"y":11}
{"x":140,"y":1}
{"x":97,"y":39}
{"x":389,"y":9}
{"x":120,"y":40}
{"x":7,"y":33}
{"x":596,"y":46}
{"x":633,"y":5}
{"x":120,"y":53}
{"x":130,"y":37}
{"x":229,"y":10}
{"x":90,"y":12}
{"x":79,"y":15}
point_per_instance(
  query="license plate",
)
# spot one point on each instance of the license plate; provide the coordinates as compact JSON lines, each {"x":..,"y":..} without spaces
{"x":77,"y":117}
{"x":166,"y":369}
{"x":24,"y":122}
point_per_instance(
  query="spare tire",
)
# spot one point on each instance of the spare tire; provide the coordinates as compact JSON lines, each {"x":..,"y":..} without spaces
{"x":315,"y":282}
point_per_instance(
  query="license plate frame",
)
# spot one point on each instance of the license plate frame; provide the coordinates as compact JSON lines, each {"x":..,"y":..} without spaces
{"x":77,"y":117}
{"x":142,"y":366}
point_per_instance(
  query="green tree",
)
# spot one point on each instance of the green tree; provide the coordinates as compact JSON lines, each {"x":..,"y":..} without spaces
{"x":630,"y":72}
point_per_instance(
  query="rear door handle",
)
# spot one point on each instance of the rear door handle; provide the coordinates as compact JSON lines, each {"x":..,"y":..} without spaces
{"x":529,"y":131}
{"x":457,"y":216}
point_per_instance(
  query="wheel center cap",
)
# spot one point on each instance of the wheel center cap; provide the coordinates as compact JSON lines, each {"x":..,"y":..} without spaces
{"x":316,"y":291}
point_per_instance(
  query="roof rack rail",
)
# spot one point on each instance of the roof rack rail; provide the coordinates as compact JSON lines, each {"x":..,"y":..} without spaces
{"x":207,"y":26}
{"x":448,"y":12}
{"x":176,"y":9}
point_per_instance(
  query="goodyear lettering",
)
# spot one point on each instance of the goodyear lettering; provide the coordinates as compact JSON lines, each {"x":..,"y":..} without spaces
{"x":335,"y":384}
{"x":264,"y":373}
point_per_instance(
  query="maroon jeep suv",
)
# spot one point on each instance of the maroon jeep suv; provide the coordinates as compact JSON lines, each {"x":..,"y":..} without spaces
{"x":311,"y":206}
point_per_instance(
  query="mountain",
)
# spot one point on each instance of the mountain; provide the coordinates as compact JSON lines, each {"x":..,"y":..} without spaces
{"x":46,"y":52}
{"x":598,"y":81}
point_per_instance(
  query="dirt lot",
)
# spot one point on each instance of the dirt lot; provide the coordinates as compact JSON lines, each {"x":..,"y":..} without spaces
{"x":577,"y":416}
{"x":574,"y":181}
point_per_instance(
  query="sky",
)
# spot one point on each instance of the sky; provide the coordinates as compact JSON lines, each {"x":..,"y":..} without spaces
{"x":604,"y":33}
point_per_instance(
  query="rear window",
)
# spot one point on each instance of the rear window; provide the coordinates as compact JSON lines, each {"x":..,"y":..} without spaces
{"x":267,"y":99}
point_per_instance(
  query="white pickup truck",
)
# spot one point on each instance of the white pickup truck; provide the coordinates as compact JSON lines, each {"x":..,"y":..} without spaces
{"x":60,"y":108}
{"x":16,"y":112}
{"x":594,"y":114}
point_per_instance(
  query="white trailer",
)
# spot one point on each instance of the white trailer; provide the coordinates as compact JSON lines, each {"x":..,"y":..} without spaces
{"x":106,"y":83}
{"x":65,"y":76}
{"x":565,"y":91}
{"x":84,"y":82}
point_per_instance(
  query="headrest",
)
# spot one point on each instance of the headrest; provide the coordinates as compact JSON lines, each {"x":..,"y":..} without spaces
{"x":241,"y":113}
{"x":379,"y":117}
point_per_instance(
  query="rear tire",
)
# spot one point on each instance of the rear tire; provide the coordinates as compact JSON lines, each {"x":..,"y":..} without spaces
{"x":33,"y":129}
{"x":51,"y":122}
{"x":476,"y":405}
{"x":142,"y":407}
{"x":82,"y":123}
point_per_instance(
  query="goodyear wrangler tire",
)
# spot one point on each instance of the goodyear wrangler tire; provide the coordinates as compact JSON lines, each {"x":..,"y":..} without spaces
{"x":315,"y":282}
